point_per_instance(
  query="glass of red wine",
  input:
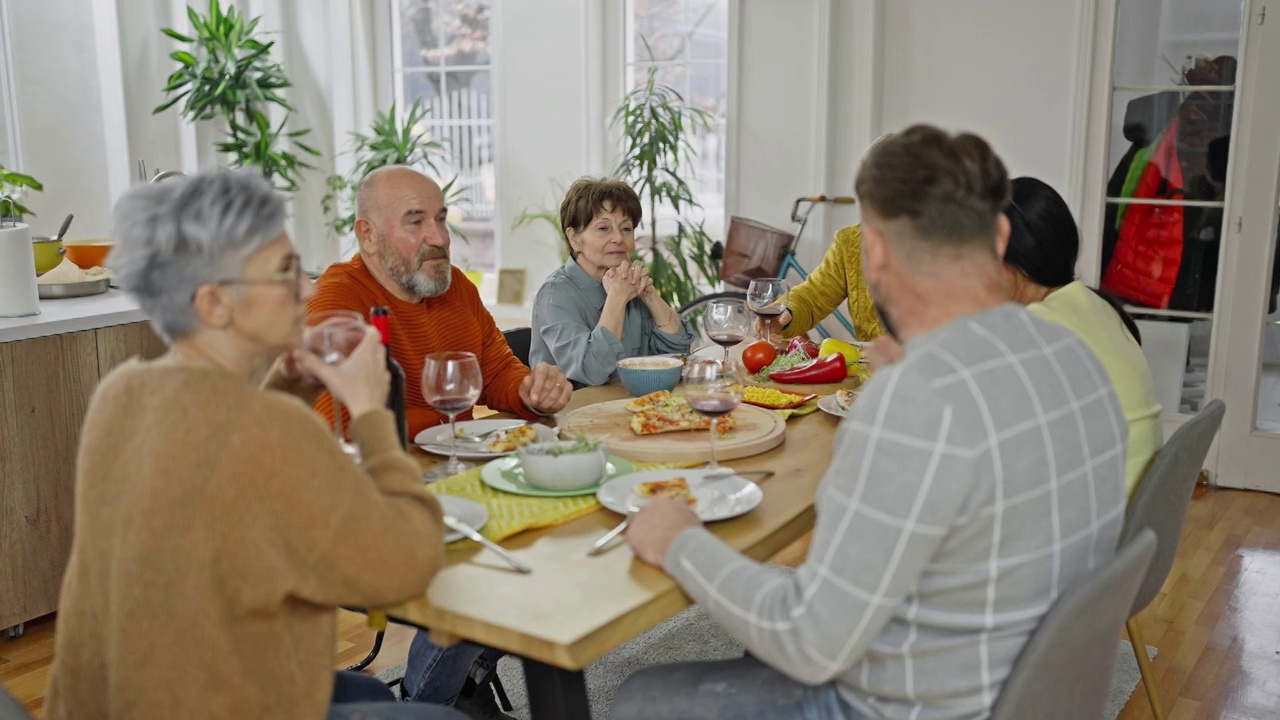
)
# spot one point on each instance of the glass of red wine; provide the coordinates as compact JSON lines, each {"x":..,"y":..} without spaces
{"x":726,"y":323}
{"x":713,"y":392}
{"x":764,"y":298}
{"x":451,"y":384}
{"x":331,"y":335}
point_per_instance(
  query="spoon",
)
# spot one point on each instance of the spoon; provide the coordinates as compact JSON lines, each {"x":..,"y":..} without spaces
{"x":65,"y":224}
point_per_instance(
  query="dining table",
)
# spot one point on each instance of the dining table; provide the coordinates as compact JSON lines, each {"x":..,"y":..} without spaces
{"x":573,"y":608}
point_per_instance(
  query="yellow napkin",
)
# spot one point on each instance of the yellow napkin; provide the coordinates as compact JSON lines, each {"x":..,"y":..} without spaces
{"x":510,"y":514}
{"x":804,"y":409}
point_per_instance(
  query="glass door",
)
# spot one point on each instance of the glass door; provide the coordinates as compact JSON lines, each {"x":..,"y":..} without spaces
{"x":1249,"y":373}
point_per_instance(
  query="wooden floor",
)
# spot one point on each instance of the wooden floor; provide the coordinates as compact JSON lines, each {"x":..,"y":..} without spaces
{"x":1216,"y":623}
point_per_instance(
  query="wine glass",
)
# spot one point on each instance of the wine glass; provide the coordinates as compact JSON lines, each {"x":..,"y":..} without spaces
{"x":726,"y":323}
{"x":713,"y":392}
{"x":451,"y":383}
{"x":331,"y":335}
{"x":764,"y":297}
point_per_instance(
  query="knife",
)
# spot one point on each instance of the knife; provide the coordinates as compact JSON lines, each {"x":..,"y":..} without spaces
{"x":456,"y":525}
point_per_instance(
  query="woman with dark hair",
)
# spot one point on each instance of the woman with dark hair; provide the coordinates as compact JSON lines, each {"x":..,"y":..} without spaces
{"x":601,"y":306}
{"x":1040,"y":264}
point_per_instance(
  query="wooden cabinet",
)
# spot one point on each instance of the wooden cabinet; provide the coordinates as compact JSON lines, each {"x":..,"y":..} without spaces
{"x":45,"y":386}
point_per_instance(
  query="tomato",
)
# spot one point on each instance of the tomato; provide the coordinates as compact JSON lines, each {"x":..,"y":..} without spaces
{"x":757,"y":355}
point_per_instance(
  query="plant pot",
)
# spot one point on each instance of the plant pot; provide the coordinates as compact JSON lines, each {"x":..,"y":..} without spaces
{"x":18,"y":293}
{"x":475,"y":276}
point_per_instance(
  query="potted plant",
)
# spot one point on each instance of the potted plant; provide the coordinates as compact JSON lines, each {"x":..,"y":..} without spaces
{"x":393,"y":139}
{"x":657,"y":155}
{"x":227,"y":74}
{"x":12,"y":186}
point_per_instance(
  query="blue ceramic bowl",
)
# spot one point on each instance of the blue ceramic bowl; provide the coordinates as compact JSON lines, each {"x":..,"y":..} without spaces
{"x":643,"y":375}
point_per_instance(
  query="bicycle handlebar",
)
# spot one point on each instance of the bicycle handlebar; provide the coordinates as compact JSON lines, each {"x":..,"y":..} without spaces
{"x":816,"y":199}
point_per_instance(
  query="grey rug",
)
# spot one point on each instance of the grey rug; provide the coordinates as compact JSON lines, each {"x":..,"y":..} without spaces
{"x":692,"y":636}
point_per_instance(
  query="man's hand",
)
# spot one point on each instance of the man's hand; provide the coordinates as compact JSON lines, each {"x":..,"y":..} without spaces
{"x":883,"y":352}
{"x":546,"y":391}
{"x":656,"y":525}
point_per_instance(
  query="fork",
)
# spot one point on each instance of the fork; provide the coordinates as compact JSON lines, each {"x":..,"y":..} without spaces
{"x":485,"y":437}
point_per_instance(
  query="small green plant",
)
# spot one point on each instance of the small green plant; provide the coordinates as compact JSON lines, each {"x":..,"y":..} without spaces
{"x":228,"y":73}
{"x":12,"y":186}
{"x":551,"y":218}
{"x":656,"y":125}
{"x":393,"y":139}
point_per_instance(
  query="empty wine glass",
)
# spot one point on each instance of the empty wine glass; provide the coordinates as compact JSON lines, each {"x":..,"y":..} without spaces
{"x":451,"y":383}
{"x":331,"y":335}
{"x":726,"y":323}
{"x":713,"y":392}
{"x":764,"y":297}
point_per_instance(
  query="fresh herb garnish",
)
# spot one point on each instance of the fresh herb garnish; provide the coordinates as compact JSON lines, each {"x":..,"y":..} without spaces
{"x":786,"y":361}
{"x":581,"y":444}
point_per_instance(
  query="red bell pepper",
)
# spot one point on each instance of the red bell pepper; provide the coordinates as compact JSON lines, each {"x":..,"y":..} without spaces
{"x":802,"y":342}
{"x":829,"y":369}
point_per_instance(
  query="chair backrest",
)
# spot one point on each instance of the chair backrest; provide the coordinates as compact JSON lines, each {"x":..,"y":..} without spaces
{"x":10,"y":708}
{"x":1160,"y":501}
{"x":1064,"y":672}
{"x":518,"y":339}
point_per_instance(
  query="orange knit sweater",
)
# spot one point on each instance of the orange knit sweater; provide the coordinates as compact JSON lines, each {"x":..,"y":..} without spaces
{"x":217,"y":528}
{"x":456,"y":320}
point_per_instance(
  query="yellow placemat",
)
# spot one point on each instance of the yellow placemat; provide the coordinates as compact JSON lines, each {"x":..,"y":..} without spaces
{"x":510,"y":513}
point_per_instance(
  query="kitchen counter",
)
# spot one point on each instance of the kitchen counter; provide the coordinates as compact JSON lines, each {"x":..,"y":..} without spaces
{"x":67,"y":315}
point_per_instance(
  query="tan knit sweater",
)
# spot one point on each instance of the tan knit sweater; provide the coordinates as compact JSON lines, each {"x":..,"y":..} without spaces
{"x":217,"y":526}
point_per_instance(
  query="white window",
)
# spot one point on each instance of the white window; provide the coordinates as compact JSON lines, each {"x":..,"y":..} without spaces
{"x":442,"y":56}
{"x":689,"y":40}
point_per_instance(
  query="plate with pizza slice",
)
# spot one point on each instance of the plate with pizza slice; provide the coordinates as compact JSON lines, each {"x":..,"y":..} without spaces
{"x":716,"y":497}
{"x":436,"y":440}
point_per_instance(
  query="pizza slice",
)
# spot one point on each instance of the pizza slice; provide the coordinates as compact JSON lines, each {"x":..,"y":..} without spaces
{"x":512,"y":439}
{"x":661,"y":397}
{"x":676,"y":417}
{"x":675,"y":488}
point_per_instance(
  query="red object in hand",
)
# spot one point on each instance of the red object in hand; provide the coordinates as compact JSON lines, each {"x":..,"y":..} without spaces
{"x":802,"y":342}
{"x":829,"y":369}
{"x":758,"y":355}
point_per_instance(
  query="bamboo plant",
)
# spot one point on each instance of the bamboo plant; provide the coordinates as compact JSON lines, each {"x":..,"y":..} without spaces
{"x":393,"y":139}
{"x":656,"y":124}
{"x":227,"y":72}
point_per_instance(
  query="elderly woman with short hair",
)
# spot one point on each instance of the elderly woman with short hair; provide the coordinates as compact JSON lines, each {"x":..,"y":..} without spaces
{"x":217,"y":524}
{"x":600,"y":306}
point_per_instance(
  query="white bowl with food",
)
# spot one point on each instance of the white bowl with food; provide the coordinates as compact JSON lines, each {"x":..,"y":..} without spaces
{"x":564,"y":464}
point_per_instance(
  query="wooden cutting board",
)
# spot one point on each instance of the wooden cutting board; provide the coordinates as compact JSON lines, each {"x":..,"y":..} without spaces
{"x":757,"y":430}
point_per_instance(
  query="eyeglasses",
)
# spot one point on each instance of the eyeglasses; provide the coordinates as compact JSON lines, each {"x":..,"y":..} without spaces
{"x":292,"y":275}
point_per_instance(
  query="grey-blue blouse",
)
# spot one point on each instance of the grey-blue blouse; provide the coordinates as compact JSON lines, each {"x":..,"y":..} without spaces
{"x":565,"y":331}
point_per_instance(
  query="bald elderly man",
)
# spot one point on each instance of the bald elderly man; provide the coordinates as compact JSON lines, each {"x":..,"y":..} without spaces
{"x":403,"y":264}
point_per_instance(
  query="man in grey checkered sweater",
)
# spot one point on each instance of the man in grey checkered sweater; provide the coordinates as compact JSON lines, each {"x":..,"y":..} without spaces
{"x":970,"y":485}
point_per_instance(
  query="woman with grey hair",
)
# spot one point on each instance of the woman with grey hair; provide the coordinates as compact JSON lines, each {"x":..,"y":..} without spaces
{"x":218,"y":525}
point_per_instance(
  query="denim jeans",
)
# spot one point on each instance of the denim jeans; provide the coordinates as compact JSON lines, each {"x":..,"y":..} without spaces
{"x":726,"y":690}
{"x":360,"y":697}
{"x":436,"y":675}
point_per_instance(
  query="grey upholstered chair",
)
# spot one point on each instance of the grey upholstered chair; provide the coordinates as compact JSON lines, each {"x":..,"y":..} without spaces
{"x":1064,"y":672}
{"x":1160,"y":504}
{"x":10,"y":708}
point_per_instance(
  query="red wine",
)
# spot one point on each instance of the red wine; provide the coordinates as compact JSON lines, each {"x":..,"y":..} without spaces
{"x":725,"y":340}
{"x":380,"y":318}
{"x":771,"y":311}
{"x":713,"y":405}
{"x":453,"y":404}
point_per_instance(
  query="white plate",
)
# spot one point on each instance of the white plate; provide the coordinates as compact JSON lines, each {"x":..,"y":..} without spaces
{"x":718,"y":498}
{"x":828,"y":404}
{"x":436,"y":440}
{"x":469,"y":513}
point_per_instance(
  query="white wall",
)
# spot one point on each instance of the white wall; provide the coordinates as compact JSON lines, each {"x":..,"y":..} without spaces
{"x":63,"y":118}
{"x":1005,"y":69}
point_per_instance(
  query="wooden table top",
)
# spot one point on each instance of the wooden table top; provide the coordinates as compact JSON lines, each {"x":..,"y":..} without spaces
{"x":573,"y":608}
